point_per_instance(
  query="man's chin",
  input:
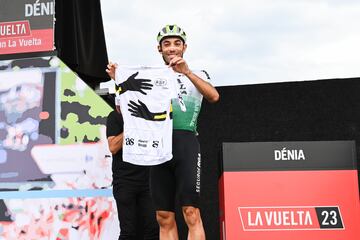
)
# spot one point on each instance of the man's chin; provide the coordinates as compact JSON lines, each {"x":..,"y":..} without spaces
{"x":167,"y":60}
{"x":171,"y":57}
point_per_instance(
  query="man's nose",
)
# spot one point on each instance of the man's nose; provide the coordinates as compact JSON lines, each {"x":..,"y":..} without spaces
{"x":172,"y":48}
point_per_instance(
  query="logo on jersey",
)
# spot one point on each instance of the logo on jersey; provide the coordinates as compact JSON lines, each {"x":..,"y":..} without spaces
{"x":198,"y":173}
{"x":129,"y":141}
{"x":142,"y":143}
{"x":182,"y":87}
{"x":155,"y":144}
{"x":160,"y":82}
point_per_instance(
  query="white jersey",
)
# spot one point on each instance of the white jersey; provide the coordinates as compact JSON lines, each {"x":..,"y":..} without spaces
{"x":144,"y":96}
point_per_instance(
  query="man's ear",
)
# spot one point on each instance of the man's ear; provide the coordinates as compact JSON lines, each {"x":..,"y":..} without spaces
{"x":159,"y":49}
{"x":185,"y":46}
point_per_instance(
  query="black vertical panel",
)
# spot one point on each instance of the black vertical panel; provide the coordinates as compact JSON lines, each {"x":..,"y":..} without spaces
{"x":48,"y":127}
{"x":80,"y":40}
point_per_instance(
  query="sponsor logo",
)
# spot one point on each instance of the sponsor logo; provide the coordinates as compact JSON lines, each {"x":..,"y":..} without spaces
{"x":286,"y":154}
{"x":198,"y":173}
{"x":182,"y":87}
{"x":143,"y":143}
{"x":155,"y":144}
{"x":160,"y":82}
{"x":14,"y":29}
{"x":290,"y":218}
{"x":129,"y":141}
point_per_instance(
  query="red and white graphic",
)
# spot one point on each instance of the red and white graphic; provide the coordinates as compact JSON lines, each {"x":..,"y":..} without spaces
{"x":297,"y":205}
{"x":27,"y":26}
{"x":290,"y":218}
{"x":14,"y":29}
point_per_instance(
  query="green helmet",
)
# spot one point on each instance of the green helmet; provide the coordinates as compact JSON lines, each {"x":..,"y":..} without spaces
{"x":171,"y":31}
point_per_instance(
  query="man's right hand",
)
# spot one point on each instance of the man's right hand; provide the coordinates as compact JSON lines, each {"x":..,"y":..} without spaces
{"x":111,"y":68}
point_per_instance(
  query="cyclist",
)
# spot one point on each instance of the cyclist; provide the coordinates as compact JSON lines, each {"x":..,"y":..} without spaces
{"x":181,"y":175}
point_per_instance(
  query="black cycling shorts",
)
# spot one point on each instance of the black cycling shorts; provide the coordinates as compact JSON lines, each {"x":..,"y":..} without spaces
{"x":179,"y":177}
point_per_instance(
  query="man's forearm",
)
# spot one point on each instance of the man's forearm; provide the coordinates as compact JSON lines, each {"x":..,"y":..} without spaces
{"x":115,"y":143}
{"x":205,"y":88}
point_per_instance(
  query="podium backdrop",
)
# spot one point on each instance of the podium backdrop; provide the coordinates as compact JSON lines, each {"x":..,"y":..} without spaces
{"x":293,"y":111}
{"x":289,"y":190}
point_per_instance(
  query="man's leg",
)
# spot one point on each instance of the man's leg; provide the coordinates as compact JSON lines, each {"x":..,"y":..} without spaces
{"x":162,"y":187}
{"x":188,"y":177}
{"x":126,"y":207}
{"x":167,"y":223}
{"x":193,"y":221}
{"x":148,"y":215}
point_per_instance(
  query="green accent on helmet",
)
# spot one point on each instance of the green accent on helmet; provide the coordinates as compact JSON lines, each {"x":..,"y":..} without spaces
{"x":171,"y":31}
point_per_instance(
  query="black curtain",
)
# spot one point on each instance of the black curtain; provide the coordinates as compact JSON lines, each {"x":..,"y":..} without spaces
{"x":80,"y":40}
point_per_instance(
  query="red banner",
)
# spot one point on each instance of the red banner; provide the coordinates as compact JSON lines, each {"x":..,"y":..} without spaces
{"x":27,"y":26}
{"x":38,"y":41}
{"x":297,"y":205}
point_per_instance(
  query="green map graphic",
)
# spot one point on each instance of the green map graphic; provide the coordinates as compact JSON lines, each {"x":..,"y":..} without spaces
{"x":85,"y":124}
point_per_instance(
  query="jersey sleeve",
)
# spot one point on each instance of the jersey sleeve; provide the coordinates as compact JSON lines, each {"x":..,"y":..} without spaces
{"x":204,"y":75}
{"x":114,"y":124}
